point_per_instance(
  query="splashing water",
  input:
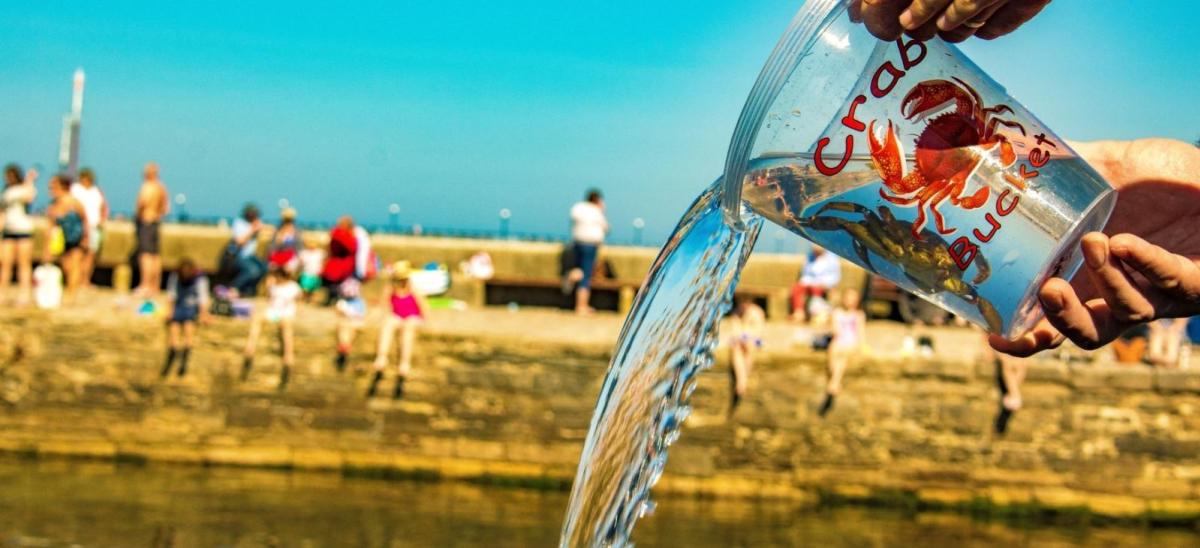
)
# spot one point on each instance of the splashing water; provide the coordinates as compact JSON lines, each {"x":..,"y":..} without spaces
{"x":667,"y":339}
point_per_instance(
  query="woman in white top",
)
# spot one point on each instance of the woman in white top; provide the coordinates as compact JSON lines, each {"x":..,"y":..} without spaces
{"x":16,"y":247}
{"x":283,"y":293}
{"x":96,"y":207}
{"x":588,"y":228}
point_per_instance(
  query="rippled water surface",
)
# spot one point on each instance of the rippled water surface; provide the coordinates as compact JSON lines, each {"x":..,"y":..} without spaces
{"x":56,"y":504}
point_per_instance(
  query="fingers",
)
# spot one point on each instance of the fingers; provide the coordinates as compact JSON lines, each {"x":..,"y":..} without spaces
{"x":1175,"y":276}
{"x":1089,"y":326}
{"x":1010,"y":16}
{"x":855,"y":11}
{"x":1042,"y":337}
{"x":924,"y":32}
{"x":962,"y":11}
{"x":1125,"y":301}
{"x":968,"y":27}
{"x":882,"y":17}
{"x":921,"y":12}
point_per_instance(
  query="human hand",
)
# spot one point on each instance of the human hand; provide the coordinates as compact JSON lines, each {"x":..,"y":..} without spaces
{"x":953,"y":20}
{"x":31,"y":175}
{"x":1148,"y":269}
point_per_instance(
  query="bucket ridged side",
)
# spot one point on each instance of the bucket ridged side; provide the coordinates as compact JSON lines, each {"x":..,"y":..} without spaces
{"x":799,"y":37}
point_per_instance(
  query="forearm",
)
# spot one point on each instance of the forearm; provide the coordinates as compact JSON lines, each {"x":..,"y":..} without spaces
{"x":1125,"y":162}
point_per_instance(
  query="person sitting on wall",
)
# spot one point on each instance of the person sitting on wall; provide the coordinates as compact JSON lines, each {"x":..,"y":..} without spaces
{"x":340,"y":261}
{"x":821,"y":272}
{"x":1167,"y":337}
{"x":746,"y":339}
{"x":1010,"y":374}
{"x":248,"y":268}
{"x":1130,"y":346}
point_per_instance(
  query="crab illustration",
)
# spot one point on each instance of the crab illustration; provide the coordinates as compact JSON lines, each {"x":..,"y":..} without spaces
{"x":947,"y":151}
{"x":926,"y":262}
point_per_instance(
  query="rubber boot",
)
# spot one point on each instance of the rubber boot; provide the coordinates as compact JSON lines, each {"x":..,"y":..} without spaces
{"x":166,"y":370}
{"x":1002,"y":417}
{"x":183,"y":360}
{"x":374,"y":384}
{"x":826,"y":405}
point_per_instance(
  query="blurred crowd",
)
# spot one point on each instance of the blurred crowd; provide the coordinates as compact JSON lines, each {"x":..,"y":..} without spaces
{"x":289,"y":269}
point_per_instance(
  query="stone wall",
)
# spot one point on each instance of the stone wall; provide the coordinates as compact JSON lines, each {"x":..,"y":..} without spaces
{"x":769,"y":275}
{"x":1116,"y":441}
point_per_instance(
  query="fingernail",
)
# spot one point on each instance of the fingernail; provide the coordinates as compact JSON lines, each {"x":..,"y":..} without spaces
{"x":906,"y":19}
{"x":1118,"y":245}
{"x":1093,"y":257}
{"x":943,"y":22}
{"x":1052,"y":302}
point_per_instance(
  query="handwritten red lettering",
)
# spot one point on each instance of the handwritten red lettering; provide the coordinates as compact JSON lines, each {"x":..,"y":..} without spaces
{"x":892,"y":71}
{"x":1038,"y":157}
{"x":963,"y":252}
{"x":1005,"y":210}
{"x":910,"y":62}
{"x":849,"y":120}
{"x":988,"y":237}
{"x":820,"y":161}
{"x":1027,"y":174}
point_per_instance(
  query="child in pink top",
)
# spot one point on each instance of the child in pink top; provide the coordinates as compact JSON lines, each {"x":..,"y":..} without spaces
{"x":408,"y":311}
{"x":848,"y":325}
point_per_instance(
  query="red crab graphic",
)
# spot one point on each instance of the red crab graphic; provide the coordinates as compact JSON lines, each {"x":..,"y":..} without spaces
{"x":948,"y":150}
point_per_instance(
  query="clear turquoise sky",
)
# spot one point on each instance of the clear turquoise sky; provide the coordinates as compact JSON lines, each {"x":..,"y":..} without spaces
{"x":455,"y":109}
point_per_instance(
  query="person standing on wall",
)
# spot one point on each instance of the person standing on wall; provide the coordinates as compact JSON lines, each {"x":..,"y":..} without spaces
{"x":151,"y":208}
{"x":588,"y":229}
{"x":16,"y":232}
{"x":69,"y":217}
{"x":89,"y":194}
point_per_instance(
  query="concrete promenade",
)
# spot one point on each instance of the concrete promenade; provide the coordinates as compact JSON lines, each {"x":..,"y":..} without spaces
{"x":768,"y":276}
{"x":506,"y":397}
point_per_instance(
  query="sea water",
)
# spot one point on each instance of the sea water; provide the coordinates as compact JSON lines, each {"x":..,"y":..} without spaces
{"x":667,"y":339}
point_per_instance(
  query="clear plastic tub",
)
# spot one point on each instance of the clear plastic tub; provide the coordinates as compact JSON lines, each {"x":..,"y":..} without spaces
{"x":907,"y":159}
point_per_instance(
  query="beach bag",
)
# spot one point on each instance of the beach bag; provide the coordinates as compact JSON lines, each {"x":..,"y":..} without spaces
{"x":58,"y":244}
{"x":47,"y":286}
{"x":433,"y":280}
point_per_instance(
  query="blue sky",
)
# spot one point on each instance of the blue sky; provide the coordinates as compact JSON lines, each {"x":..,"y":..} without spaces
{"x":456,"y":109}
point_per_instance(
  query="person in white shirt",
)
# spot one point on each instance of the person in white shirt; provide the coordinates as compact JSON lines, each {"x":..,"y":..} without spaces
{"x":283,"y":294}
{"x":822,"y":271}
{"x":96,"y":209}
{"x":588,"y":228}
{"x":16,"y":232}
